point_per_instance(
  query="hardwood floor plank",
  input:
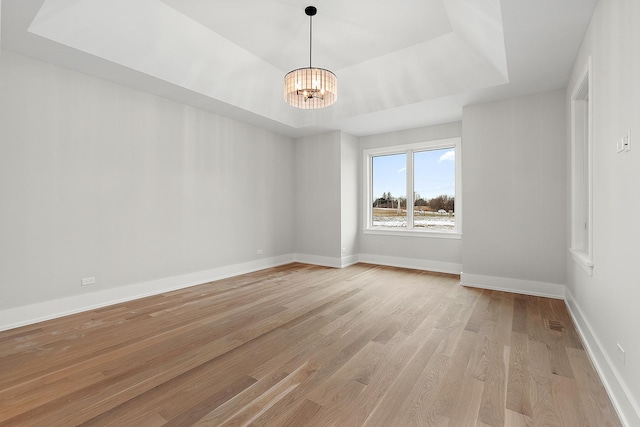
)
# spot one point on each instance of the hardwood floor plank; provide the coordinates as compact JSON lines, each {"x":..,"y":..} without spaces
{"x":494,"y":395}
{"x":343,"y":401}
{"x":519,"y":377}
{"x":555,"y":341}
{"x":330,"y":360}
{"x":467,"y":406}
{"x":370,"y":354}
{"x":535,"y":325}
{"x":272,"y":396}
{"x":486,"y":347}
{"x":545,"y":409}
{"x":519,"y":323}
{"x":450,"y":390}
{"x":241,"y":400}
{"x":572,"y":338}
{"x":516,"y":419}
{"x":387,"y":333}
{"x":416,"y":409}
{"x":303,"y":415}
{"x":564,"y":391}
{"x":380,"y":401}
{"x":479,"y":314}
{"x":393,"y":393}
{"x":307,"y":345}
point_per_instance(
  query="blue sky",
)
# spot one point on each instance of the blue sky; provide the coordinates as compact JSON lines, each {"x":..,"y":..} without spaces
{"x":434,"y":174}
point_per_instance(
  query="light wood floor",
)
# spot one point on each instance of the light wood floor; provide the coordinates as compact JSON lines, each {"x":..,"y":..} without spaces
{"x":302,"y":345}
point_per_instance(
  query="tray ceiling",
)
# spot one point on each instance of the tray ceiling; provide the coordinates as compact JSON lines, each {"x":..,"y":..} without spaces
{"x":399,"y":64}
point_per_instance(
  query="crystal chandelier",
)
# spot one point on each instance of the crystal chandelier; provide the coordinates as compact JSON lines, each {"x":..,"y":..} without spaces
{"x":310,"y":88}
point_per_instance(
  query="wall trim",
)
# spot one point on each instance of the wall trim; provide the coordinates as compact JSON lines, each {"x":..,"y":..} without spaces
{"x":325,"y":261}
{"x":517,"y":286}
{"x":628,"y":410}
{"x":348,"y":260}
{"x":47,"y":310}
{"x":414,"y":263}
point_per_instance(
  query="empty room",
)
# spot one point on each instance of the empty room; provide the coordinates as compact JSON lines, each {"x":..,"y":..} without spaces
{"x":331,"y":213}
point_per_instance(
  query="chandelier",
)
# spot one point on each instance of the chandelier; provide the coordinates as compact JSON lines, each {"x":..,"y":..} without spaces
{"x":310,"y":88}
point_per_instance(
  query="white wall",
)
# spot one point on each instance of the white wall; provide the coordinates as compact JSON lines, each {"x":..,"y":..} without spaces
{"x":606,"y":305}
{"x":326,"y":199}
{"x":514,"y":192}
{"x":317,"y":201}
{"x":349,"y":186}
{"x":416,"y":252}
{"x":101,"y":180}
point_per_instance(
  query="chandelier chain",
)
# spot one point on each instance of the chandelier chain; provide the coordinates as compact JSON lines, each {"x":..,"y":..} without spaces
{"x":310,"y":37}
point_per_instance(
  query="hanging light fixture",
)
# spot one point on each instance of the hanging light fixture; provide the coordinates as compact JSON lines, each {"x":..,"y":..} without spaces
{"x":310,"y":88}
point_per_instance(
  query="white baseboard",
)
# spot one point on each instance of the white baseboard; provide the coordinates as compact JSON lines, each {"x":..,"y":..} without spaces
{"x":324,"y":261}
{"x":417,"y":264}
{"x":26,"y":315}
{"x":346,"y":261}
{"x":628,"y":410}
{"x":517,"y":286}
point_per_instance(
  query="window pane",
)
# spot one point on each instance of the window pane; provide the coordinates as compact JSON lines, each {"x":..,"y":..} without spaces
{"x":389,"y":180}
{"x":434,"y":189}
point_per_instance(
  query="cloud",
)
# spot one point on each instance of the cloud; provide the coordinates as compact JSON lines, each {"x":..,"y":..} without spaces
{"x":403,"y":170}
{"x":449,"y":155}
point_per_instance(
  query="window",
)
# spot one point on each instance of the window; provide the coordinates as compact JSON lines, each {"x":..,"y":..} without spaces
{"x":430,"y":173}
{"x":581,"y":173}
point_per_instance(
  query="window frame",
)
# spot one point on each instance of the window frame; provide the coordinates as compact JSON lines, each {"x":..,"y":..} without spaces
{"x":409,"y":150}
{"x":582,"y":171}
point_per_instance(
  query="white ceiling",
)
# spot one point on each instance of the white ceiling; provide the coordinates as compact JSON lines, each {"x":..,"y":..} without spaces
{"x":399,"y":64}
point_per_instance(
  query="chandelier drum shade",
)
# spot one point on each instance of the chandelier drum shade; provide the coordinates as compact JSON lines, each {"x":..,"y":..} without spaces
{"x":310,"y":88}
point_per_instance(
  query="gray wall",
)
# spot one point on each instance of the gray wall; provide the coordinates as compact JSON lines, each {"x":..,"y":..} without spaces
{"x":514,"y":188}
{"x":317,"y":200}
{"x":606,"y":304}
{"x":326,"y":198}
{"x":349,"y":190}
{"x":100,"y":180}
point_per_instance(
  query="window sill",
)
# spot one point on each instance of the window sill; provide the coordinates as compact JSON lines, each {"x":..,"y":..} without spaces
{"x":413,"y":233}
{"x":582,"y":259}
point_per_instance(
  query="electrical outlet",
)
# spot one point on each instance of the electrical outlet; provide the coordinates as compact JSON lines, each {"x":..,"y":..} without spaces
{"x":344,"y":250}
{"x":88,"y":281}
{"x":624,"y":143}
{"x":259,"y":251}
{"x":620,"y":352}
{"x":627,"y":140}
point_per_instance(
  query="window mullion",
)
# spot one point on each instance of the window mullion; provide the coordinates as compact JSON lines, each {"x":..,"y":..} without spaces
{"x":410,"y":191}
{"x":369,"y":174}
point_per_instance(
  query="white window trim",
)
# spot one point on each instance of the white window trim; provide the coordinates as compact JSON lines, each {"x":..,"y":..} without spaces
{"x":581,"y":257}
{"x":367,"y":199}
